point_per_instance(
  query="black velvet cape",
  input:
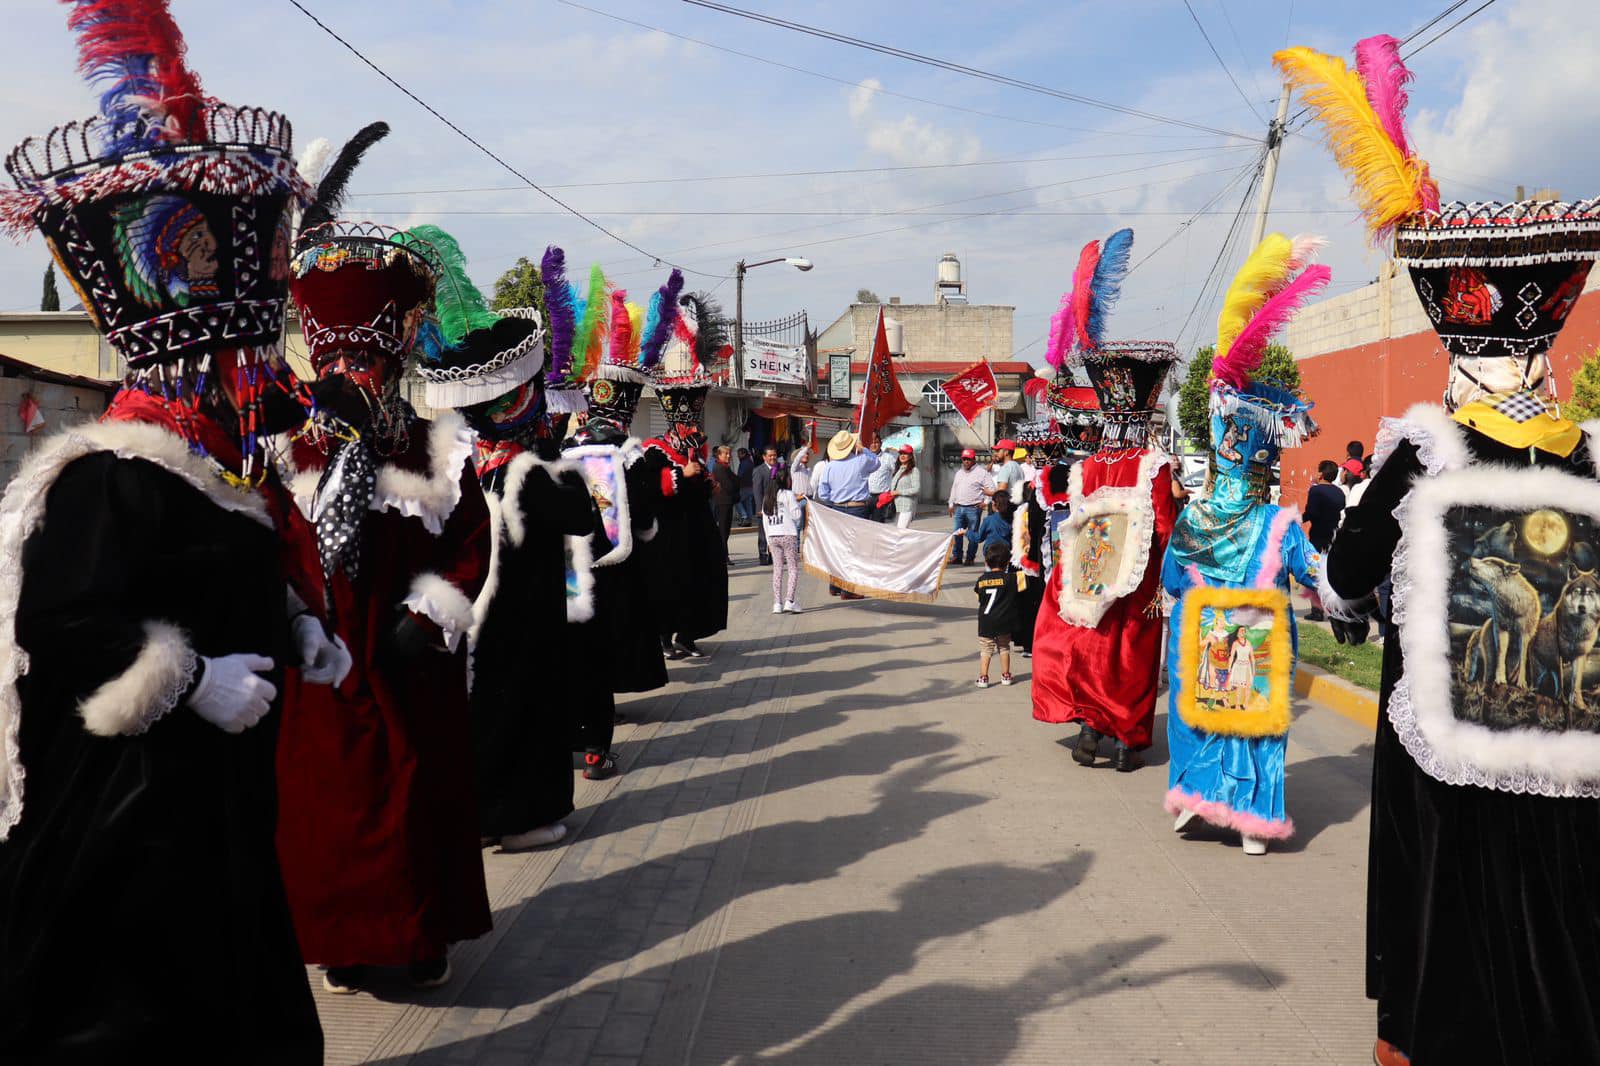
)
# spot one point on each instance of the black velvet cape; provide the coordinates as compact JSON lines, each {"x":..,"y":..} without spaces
{"x":688,"y":569}
{"x":142,"y":915}
{"x":1483,"y":907}
{"x":522,"y":710}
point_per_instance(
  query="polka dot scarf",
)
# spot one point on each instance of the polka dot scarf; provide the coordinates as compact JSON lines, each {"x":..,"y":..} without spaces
{"x":343,"y":496}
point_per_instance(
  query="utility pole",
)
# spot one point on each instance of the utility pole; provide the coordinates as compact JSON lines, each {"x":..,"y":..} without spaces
{"x":1269,"y":173}
{"x":738,"y":325}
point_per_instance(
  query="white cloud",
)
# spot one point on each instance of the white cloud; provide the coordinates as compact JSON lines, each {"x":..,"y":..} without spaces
{"x":908,"y":140}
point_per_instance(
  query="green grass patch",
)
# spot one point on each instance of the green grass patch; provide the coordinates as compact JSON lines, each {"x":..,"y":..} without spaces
{"x":1360,"y":665}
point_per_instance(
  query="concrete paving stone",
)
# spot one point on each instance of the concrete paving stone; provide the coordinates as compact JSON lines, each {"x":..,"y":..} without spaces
{"x":827,"y":848}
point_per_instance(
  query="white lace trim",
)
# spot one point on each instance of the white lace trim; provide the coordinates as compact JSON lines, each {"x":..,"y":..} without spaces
{"x":22,"y":510}
{"x":431,"y":495}
{"x":1438,"y":438}
{"x":134,"y":700}
{"x":1442,"y":747}
{"x":1135,"y":502}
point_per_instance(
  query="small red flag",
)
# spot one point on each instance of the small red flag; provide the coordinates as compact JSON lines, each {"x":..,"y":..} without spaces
{"x":882,"y":400}
{"x":972,"y":390}
{"x":28,"y":412}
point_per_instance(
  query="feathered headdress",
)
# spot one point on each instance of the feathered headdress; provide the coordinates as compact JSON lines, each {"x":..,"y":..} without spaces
{"x":459,"y":308}
{"x":1267,"y":291}
{"x":593,"y":317}
{"x":559,"y":309}
{"x":1275,"y":260}
{"x":1362,"y":112}
{"x":1110,"y":268}
{"x":331,"y":187}
{"x":661,"y":321}
{"x":622,"y":347}
{"x":133,"y":52}
{"x":711,"y":341}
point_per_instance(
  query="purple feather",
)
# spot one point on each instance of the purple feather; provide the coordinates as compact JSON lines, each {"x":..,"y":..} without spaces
{"x":559,"y":309}
{"x":661,"y":321}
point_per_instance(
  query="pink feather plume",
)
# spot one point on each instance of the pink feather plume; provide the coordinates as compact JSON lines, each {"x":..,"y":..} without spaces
{"x":1083,"y":293}
{"x":1385,"y":76}
{"x":621,"y":328}
{"x":1060,"y":342}
{"x":1248,"y":349}
{"x":1303,"y":248}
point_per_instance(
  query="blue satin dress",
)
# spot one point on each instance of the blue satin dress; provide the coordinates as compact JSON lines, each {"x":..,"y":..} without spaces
{"x":1230,"y":540}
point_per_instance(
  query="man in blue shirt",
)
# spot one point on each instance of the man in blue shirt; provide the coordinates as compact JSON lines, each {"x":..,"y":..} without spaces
{"x":878,"y":481}
{"x":843,"y":484}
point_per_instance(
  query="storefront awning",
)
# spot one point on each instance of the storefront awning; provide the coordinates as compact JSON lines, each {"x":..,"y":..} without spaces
{"x":781,"y":406}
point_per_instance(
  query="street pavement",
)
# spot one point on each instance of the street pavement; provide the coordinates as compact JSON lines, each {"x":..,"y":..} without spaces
{"x":828,"y":846}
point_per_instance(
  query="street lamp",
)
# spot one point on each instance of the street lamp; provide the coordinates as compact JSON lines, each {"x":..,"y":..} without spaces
{"x":738,"y":307}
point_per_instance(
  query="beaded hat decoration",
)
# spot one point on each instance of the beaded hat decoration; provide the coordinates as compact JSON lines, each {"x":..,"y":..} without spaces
{"x":1252,"y":421}
{"x":168,"y":212}
{"x":1496,"y":279}
{"x":1126,"y":376}
{"x":697,"y":348}
{"x":638,"y":339}
{"x":364,"y":291}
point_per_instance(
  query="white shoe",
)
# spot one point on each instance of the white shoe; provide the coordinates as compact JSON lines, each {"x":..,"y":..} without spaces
{"x":792,"y":607}
{"x":544,"y":836}
{"x":1253,"y":845}
{"x":1184,"y":818}
{"x":777,"y":608}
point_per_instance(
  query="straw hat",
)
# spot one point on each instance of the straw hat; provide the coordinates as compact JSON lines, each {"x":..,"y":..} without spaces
{"x":842,"y":445}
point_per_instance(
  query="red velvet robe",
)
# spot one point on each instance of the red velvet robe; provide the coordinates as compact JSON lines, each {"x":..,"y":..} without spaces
{"x":377,"y":819}
{"x":1106,"y":677}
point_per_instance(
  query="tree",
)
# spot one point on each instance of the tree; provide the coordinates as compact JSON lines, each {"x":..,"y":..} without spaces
{"x":521,"y":286}
{"x":1194,"y":395}
{"x":867,"y":296}
{"x":51,"y":300}
{"x":1584,"y":403}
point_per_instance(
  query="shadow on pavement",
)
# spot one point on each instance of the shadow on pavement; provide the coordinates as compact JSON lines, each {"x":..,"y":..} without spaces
{"x":1326,"y":791}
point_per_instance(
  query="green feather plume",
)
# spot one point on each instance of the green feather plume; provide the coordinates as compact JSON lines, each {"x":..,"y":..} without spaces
{"x":589,"y":339}
{"x":458,"y":305}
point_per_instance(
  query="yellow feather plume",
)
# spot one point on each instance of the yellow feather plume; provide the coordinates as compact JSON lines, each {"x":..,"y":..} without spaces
{"x":636,"y":334}
{"x":1262,"y":275}
{"x":1389,"y":186}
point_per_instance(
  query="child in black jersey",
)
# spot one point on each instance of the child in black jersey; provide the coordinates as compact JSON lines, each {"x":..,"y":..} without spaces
{"x":997,"y":588}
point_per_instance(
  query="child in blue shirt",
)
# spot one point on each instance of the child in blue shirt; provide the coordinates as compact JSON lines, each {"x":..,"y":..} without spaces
{"x":996,"y":526}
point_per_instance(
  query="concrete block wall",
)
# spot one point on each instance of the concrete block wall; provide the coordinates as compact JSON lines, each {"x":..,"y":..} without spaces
{"x":61,"y":405}
{"x":937,"y":331}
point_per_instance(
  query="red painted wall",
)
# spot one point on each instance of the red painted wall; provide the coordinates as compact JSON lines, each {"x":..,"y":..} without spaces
{"x":1354,"y":387}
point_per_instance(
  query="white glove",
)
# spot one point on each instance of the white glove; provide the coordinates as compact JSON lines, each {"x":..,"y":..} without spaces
{"x":322,"y":661}
{"x":231,"y":694}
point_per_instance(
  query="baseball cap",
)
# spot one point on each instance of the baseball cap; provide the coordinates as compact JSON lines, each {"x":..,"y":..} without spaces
{"x":968,"y":453}
{"x":1005,"y":444}
{"x":906,"y":449}
{"x":1353,"y":466}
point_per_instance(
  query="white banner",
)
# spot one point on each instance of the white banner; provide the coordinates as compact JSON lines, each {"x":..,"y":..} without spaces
{"x":873,"y":558}
{"x":774,"y":362}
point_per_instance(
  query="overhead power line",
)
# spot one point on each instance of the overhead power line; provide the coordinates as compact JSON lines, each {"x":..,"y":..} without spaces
{"x":876,"y":90}
{"x":529,"y":182}
{"x":1220,"y":62}
{"x":1448,"y":28}
{"x":961,"y":68}
{"x":699,"y":179}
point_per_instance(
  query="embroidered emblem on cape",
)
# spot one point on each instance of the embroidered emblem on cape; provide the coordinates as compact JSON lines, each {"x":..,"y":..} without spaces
{"x":1105,"y":547}
{"x":1236,"y":661}
{"x":1499,"y":620}
{"x":604,"y":469}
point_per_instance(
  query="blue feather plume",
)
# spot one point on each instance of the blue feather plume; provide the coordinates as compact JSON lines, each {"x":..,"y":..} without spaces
{"x":1115,"y":251}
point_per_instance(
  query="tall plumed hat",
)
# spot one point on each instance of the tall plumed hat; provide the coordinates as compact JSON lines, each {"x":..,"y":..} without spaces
{"x":1252,"y":421}
{"x":1496,"y":279}
{"x":638,"y":339}
{"x":697,"y":349}
{"x":1126,"y":375}
{"x":169,"y":211}
{"x":362,"y":289}
{"x":580,"y":321}
{"x":473,"y":355}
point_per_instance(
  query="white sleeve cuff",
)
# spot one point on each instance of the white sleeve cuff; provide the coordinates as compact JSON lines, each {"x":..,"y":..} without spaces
{"x":152,"y":685}
{"x":442,"y":604}
{"x":1336,"y":606}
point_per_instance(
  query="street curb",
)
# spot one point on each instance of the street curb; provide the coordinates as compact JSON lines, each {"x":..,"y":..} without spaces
{"x":1358,"y":704}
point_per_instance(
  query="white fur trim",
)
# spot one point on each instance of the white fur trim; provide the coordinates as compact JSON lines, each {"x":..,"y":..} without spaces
{"x":1521,"y":760}
{"x":21,"y":512}
{"x":517,"y":472}
{"x":1438,"y":438}
{"x":1337,"y":607}
{"x":152,"y":685}
{"x":1135,"y":503}
{"x":616,"y":456}
{"x":580,"y":558}
{"x":431,"y":496}
{"x":650,"y":534}
{"x":1591,"y":436}
{"x":442,"y":603}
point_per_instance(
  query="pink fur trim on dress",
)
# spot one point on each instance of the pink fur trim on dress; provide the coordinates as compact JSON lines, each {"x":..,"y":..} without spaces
{"x":1272,"y":552}
{"x":1220,"y":814}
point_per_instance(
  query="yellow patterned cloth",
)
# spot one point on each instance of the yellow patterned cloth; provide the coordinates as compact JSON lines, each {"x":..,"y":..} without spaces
{"x":1511,"y":420}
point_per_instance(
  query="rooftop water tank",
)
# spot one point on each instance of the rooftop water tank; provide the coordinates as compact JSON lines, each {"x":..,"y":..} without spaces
{"x":949,"y":271}
{"x":896,"y":335}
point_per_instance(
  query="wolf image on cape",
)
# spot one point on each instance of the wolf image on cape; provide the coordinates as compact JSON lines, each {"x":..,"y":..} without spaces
{"x":1499,"y":650}
{"x":1566,"y":636}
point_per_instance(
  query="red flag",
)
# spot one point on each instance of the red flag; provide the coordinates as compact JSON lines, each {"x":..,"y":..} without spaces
{"x":882,"y":400}
{"x":28,"y":411}
{"x":972,"y":390}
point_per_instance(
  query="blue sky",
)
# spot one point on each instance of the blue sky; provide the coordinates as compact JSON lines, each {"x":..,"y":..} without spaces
{"x":575,"y":98}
